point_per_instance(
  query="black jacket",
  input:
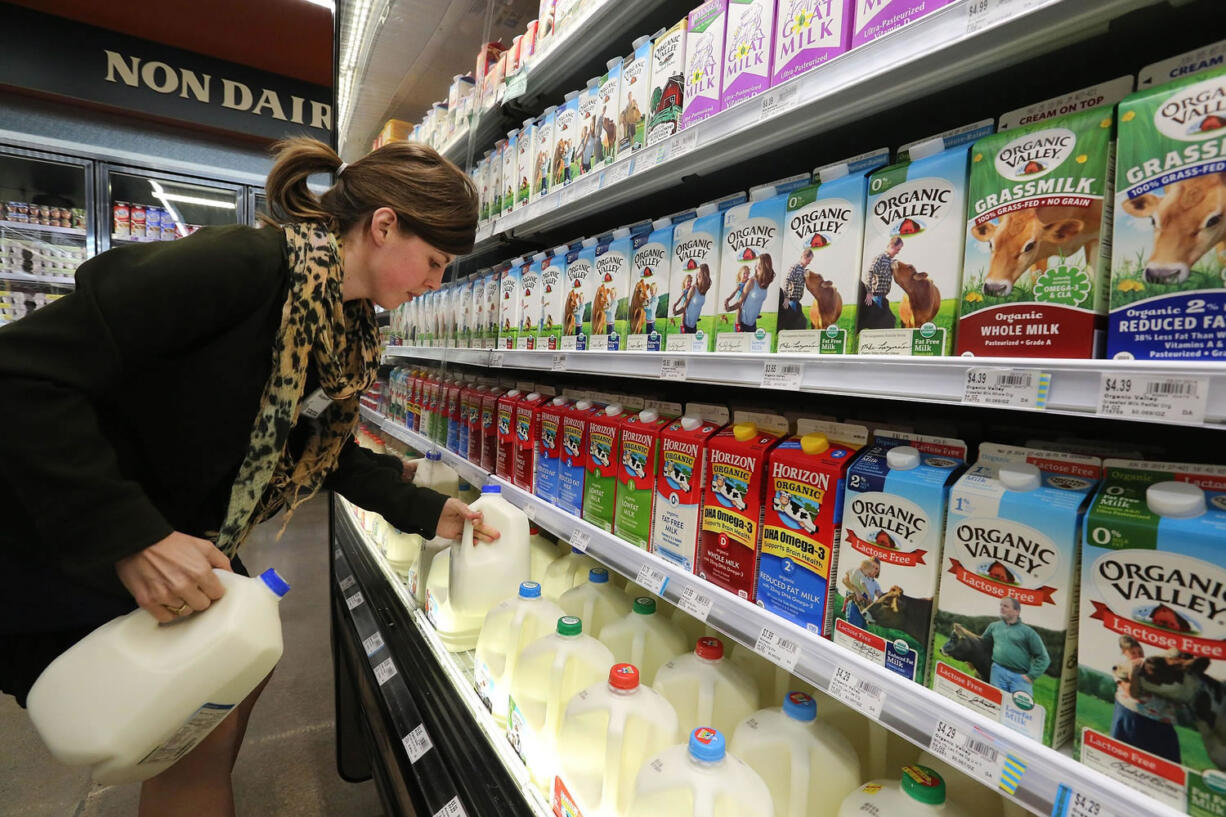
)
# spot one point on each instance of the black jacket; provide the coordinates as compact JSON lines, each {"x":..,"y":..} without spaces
{"x":125,"y":412}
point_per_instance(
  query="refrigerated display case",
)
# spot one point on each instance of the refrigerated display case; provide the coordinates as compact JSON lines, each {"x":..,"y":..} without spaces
{"x":149,"y":206}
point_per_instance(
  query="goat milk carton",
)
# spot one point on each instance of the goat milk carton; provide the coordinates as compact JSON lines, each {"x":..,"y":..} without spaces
{"x":667,"y":83}
{"x":1038,"y":234}
{"x":580,"y":286}
{"x":553,"y":299}
{"x":807,"y":34}
{"x":631,"y":110}
{"x":804,"y":514}
{"x":693,"y":269}
{"x":639,"y":453}
{"x":530,"y":303}
{"x":1152,"y":648}
{"x":704,"y":62}
{"x":675,"y":528}
{"x":649,"y":292}
{"x":572,"y":471}
{"x":912,"y":259}
{"x":1005,"y":639}
{"x":748,"y":49}
{"x":1168,"y":268}
{"x":822,"y":239}
{"x":877,"y":17}
{"x":734,"y":503}
{"x":510,"y":302}
{"x":893,"y":518}
{"x":600,"y":483}
{"x":611,"y":296}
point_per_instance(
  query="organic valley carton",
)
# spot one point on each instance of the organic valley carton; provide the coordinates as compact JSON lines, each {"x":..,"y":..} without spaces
{"x":585,"y":157}
{"x":693,"y":270}
{"x":1168,"y":269}
{"x":525,"y":148}
{"x":639,"y":453}
{"x":493,"y":308}
{"x":572,"y":471}
{"x":807,"y":34}
{"x":553,"y":298}
{"x":1005,"y":637}
{"x":649,"y":293}
{"x":566,"y":136}
{"x":734,"y":502}
{"x":510,"y":164}
{"x":804,"y":512}
{"x":913,"y":248}
{"x":527,"y":440}
{"x":549,"y":459}
{"x":580,"y":287}
{"x":1152,"y":649}
{"x":530,"y":303}
{"x":888,"y":558}
{"x":681,"y":477}
{"x":607,"y":113}
{"x":543,"y":163}
{"x":877,"y":17}
{"x":495,"y":178}
{"x":748,"y":49}
{"x":635,"y":88}
{"x":704,"y":62}
{"x":610,"y":304}
{"x":667,"y":83}
{"x":822,"y":239}
{"x":510,"y":303}
{"x":600,"y":483}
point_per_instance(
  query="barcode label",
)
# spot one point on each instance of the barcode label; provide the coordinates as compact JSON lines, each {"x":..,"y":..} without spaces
{"x":496,"y":360}
{"x":695,"y":602}
{"x":559,"y":362}
{"x":982,"y":14}
{"x":452,"y":809}
{"x":673,"y":368}
{"x":1070,"y":803}
{"x":1016,"y":388}
{"x":616,"y":173}
{"x":347,"y":582}
{"x":861,"y":695}
{"x":580,"y":540}
{"x":961,"y":748}
{"x":776,"y":648}
{"x":781,"y":375}
{"x":1014,"y":380}
{"x":355,"y":600}
{"x":780,"y":99}
{"x":373,"y":644}
{"x":1175,"y":387}
{"x":1158,"y":399}
{"x":684,"y":142}
{"x":653,"y":579}
{"x":385,"y":671}
{"x":417,"y":743}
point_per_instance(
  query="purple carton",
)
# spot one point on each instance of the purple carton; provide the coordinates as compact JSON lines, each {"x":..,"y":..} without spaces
{"x":704,"y":62}
{"x":807,"y":33}
{"x":877,"y":17}
{"x":748,"y":48}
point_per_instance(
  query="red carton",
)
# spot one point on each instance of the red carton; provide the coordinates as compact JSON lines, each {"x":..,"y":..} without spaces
{"x":638,"y":452}
{"x":572,"y":468}
{"x":681,"y":474}
{"x":476,"y":397}
{"x":489,"y":428}
{"x":549,"y":449}
{"x":734,"y":507}
{"x":505,"y":462}
{"x":600,"y":483}
{"x":527,"y":439}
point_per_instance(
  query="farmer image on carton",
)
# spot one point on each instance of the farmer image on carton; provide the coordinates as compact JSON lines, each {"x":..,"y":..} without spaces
{"x":865,"y":589}
{"x":791,"y":316}
{"x":1144,"y":720}
{"x":694,"y":297}
{"x":877,"y":281}
{"x":1018,"y":654}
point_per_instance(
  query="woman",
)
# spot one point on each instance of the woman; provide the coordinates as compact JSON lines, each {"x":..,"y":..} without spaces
{"x":755,"y":296}
{"x":153,"y":415}
{"x":695,"y":299}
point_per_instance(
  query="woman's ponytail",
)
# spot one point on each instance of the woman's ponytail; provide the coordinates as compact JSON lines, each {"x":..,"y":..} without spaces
{"x":289,"y":198}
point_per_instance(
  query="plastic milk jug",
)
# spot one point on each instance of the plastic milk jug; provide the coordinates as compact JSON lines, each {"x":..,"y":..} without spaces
{"x":965,"y":792}
{"x":457,"y":633}
{"x":644,"y":638}
{"x":609,"y":732}
{"x":706,"y":688}
{"x":550,"y":672}
{"x":508,"y":629}
{"x":419,"y":571}
{"x":569,"y":571}
{"x":920,"y":793}
{"x":773,"y":681}
{"x":543,"y":553}
{"x":808,"y":766}
{"x":485,"y":573}
{"x":402,"y":549}
{"x":596,"y":602}
{"x":433,"y":473}
{"x":700,"y":779}
{"x":133,"y":696}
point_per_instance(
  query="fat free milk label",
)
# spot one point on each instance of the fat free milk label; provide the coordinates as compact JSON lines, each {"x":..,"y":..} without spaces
{"x":877,"y":17}
{"x":704,"y":62}
{"x":693,"y":268}
{"x":576,"y":301}
{"x":649,"y":293}
{"x":748,"y":49}
{"x":679,"y":486}
{"x":667,"y":83}
{"x":610,"y":299}
{"x":530,"y":306}
{"x":553,"y":301}
{"x":749,"y":276}
{"x":807,"y":33}
{"x":636,"y":480}
{"x":1168,"y":268}
{"x":600,"y":488}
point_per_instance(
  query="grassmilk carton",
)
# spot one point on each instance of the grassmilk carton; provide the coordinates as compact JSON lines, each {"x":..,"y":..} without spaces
{"x":635,"y":87}
{"x":530,"y":302}
{"x":580,"y":286}
{"x":566,"y":141}
{"x":543,"y":163}
{"x":748,"y":49}
{"x":549,"y":458}
{"x":572,"y":471}
{"x":1005,"y":637}
{"x":1153,"y":632}
{"x":510,"y":177}
{"x":610,"y":304}
{"x":525,"y":148}
{"x":680,"y":479}
{"x":822,"y":240}
{"x":1168,"y":269}
{"x":913,"y":248}
{"x":734,"y":501}
{"x":607,"y":113}
{"x":647,"y":313}
{"x":638,"y":458}
{"x":667,"y":83}
{"x":693,"y":270}
{"x":510,"y":303}
{"x":553,"y":298}
{"x":804,"y":514}
{"x":600,"y":483}
{"x":877,"y":17}
{"x":704,"y":62}
{"x":893,"y":524}
{"x":807,"y":34}
{"x":584,"y":157}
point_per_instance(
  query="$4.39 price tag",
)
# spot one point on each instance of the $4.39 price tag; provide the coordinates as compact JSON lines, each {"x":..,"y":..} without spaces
{"x":1016,"y":388}
{"x":695,"y":602}
{"x":857,"y":693}
{"x":653,"y":579}
{"x":1158,"y":399}
{"x":778,"y":649}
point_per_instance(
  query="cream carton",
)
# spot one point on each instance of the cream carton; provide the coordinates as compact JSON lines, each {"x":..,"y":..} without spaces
{"x":807,"y":34}
{"x":1006,"y":625}
{"x":566,"y":138}
{"x":607,"y":113}
{"x":543,"y":163}
{"x":680,"y":478}
{"x":553,"y":298}
{"x":893,"y":525}
{"x":510,"y":303}
{"x":525,"y":146}
{"x":610,"y":302}
{"x":584,"y":157}
{"x":580,"y":287}
{"x":704,"y":62}
{"x":530,"y":303}
{"x":913,"y":240}
{"x":693,"y":270}
{"x":510,"y":176}
{"x":635,"y":87}
{"x":1152,"y":646}
{"x":822,"y":241}
{"x":667,"y":83}
{"x":649,"y":292}
{"x":877,"y":17}
{"x":748,"y":49}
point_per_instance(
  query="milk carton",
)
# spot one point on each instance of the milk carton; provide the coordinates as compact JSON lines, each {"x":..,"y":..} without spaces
{"x":566,"y":141}
{"x":912,"y":259}
{"x":610,"y":304}
{"x":489,"y":428}
{"x":553,"y":298}
{"x":527,"y":440}
{"x":649,"y":293}
{"x":639,"y":450}
{"x":1006,"y":631}
{"x":635,"y":87}
{"x":877,"y":17}
{"x":693,"y":270}
{"x":544,"y":146}
{"x":704,"y":62}
{"x":584,"y":156}
{"x":505,"y":446}
{"x":1168,"y":292}
{"x":549,"y":458}
{"x":667,"y":83}
{"x":572,"y":470}
{"x":580,"y":278}
{"x":807,"y":34}
{"x":893,"y":523}
{"x":529,"y":302}
{"x":525,"y":148}
{"x":493,"y":307}
{"x":734,"y":502}
{"x":600,"y":483}
{"x":1152,"y":624}
{"x":510,"y":304}
{"x":482,"y":181}
{"x":607,"y":102}
{"x":510,"y":168}
{"x":804,"y":511}
{"x":495,"y":178}
{"x":748,"y":49}
{"x":680,"y":478}
{"x":822,"y":241}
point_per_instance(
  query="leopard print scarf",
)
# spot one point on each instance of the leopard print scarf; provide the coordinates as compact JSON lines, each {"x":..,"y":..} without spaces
{"x":342,"y":339}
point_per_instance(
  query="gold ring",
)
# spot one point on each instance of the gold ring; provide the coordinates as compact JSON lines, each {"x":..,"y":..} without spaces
{"x":177,"y":611}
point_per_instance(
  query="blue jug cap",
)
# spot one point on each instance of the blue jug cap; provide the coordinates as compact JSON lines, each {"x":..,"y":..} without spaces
{"x":275,"y":583}
{"x":433,"y":456}
{"x":529,"y":590}
{"x":598,"y":575}
{"x":491,"y":489}
{"x":799,"y":706}
{"x":574,"y":549}
{"x":707,"y":744}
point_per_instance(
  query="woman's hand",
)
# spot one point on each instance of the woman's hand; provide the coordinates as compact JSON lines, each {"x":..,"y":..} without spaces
{"x":175,"y":576}
{"x":408,"y":470}
{"x":455,"y":514}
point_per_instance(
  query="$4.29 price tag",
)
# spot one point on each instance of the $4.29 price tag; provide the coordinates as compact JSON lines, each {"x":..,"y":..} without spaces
{"x":962,"y":749}
{"x":653,"y":579}
{"x":776,"y":648}
{"x":1017,"y":388}
{"x":781,"y":375}
{"x":857,"y":693}
{"x":1158,"y":399}
{"x":1070,"y":803}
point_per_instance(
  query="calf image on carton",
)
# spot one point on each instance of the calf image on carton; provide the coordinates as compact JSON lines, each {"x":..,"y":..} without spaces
{"x":807,"y":34}
{"x":704,"y":62}
{"x":553,"y":298}
{"x":1153,"y":633}
{"x":510,"y":302}
{"x":527,"y":440}
{"x":600,"y":483}
{"x":877,"y":17}
{"x":680,"y":480}
{"x":822,"y":238}
{"x":693,"y":270}
{"x":638,"y":456}
{"x":1006,"y":630}
{"x":525,"y":149}
{"x":610,"y":303}
{"x":667,"y":83}
{"x":585,"y":156}
{"x":888,"y":558}
{"x":580,"y":286}
{"x":1168,"y":292}
{"x":505,"y":447}
{"x":635,"y":91}
{"x":493,"y":308}
{"x":748,"y":49}
{"x":647,"y":314}
{"x":495,"y":178}
{"x":530,"y":303}
{"x":510,"y":159}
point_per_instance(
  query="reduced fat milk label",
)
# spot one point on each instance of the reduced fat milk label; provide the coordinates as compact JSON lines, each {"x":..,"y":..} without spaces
{"x":667,"y":83}
{"x":649,"y":292}
{"x":572,"y":467}
{"x":704,"y":62}
{"x":807,"y":33}
{"x":747,"y":49}
{"x":679,"y":485}
{"x":693,"y":268}
{"x":549,"y":460}
{"x":749,"y":279}
{"x":580,"y":286}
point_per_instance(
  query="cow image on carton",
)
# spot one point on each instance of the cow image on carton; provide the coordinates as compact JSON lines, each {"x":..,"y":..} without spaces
{"x":566,"y":141}
{"x":807,"y":34}
{"x":748,"y":49}
{"x":877,"y":17}
{"x":609,"y":97}
{"x":580,"y":287}
{"x":549,"y":459}
{"x":529,"y":302}
{"x":495,"y":177}
{"x":572,"y":469}
{"x":704,"y":62}
{"x":553,"y":298}
{"x":510,"y":164}
{"x":1006,"y":631}
{"x":693,"y":271}
{"x":650,"y":296}
{"x":527,"y":440}
{"x":680,"y":480}
{"x":610,"y":303}
{"x":493,"y":308}
{"x":544,"y":144}
{"x":635,"y":88}
{"x":667,"y":83}
{"x":822,"y":240}
{"x":638,"y":464}
{"x":504,"y":464}
{"x":600,"y":482}
{"x":1150,"y":703}
{"x":913,"y":249}
{"x":888,"y":560}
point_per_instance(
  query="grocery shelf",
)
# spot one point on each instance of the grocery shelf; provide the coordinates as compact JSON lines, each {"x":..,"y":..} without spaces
{"x":1074,"y":390}
{"x":26,"y":227}
{"x":58,"y":280}
{"x":904,"y":707}
{"x":127,"y":239}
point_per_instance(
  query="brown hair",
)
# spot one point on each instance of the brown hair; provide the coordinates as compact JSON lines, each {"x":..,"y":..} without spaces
{"x":432,"y":198}
{"x":767,"y":268}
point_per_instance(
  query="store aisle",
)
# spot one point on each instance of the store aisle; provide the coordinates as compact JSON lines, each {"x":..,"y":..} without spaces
{"x":288,"y":761}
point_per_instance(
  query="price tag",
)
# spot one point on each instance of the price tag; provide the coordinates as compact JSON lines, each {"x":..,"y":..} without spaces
{"x":1070,"y":803}
{"x":496,"y":360}
{"x":857,"y":693}
{"x":529,"y":510}
{"x":684,"y":142}
{"x":580,"y":540}
{"x":694,"y":602}
{"x":347,"y":582}
{"x":981,"y":14}
{"x":673,"y":368}
{"x":781,"y":375}
{"x":776,"y":648}
{"x":559,"y":362}
{"x":373,"y":644}
{"x":1158,"y":399}
{"x":657,"y":156}
{"x":653,"y":579}
{"x":314,"y":405}
{"x":417,"y":743}
{"x":964,"y":750}
{"x":1019,"y":388}
{"x":452,"y":809}
{"x":355,"y":600}
{"x":616,"y":173}
{"x":385,"y":672}
{"x":779,"y":100}
{"x":516,"y":86}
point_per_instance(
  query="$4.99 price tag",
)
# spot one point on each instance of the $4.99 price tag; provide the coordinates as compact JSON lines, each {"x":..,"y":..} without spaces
{"x":695,"y":602}
{"x":859,"y":694}
{"x":1158,"y":399}
{"x":781,"y":375}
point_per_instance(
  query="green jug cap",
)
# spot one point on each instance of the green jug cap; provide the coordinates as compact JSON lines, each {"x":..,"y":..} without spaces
{"x":645,"y":606}
{"x":923,"y":785}
{"x":570,"y":625}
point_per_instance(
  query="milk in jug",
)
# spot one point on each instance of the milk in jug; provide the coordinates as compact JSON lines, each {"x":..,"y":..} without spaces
{"x":920,"y":793}
{"x":433,"y":473}
{"x":569,"y":571}
{"x":402,"y":549}
{"x":419,"y":571}
{"x":700,"y":779}
{"x":485,"y":573}
{"x":707,"y":689}
{"x":596,"y":602}
{"x":508,"y":629}
{"x":544,"y":552}
{"x":644,"y":638}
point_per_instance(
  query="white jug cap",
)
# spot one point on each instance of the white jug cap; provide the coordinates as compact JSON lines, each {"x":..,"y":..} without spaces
{"x":903,"y":458}
{"x":1020,"y":476}
{"x":649,"y":415}
{"x":583,"y":405}
{"x":690,"y":423}
{"x":1178,"y":500}
{"x":613,"y":410}
{"x":534,"y":396}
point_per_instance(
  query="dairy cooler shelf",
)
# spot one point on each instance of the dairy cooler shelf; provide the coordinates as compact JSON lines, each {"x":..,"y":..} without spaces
{"x":25,"y":227}
{"x":1075,"y":386}
{"x":57,"y":280}
{"x":1035,"y":776}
